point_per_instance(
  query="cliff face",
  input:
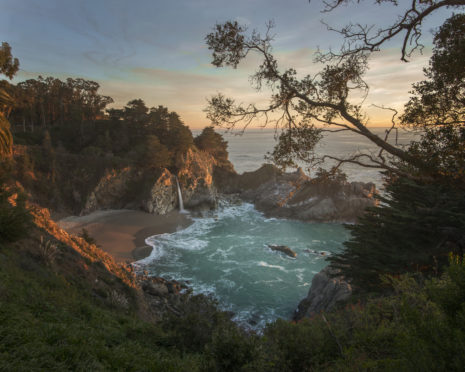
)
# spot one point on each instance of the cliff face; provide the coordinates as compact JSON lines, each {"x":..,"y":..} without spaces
{"x":157,"y":192}
{"x":196,"y":181}
{"x":97,"y":273}
{"x":162,"y":197}
{"x":109,"y":191}
{"x":296,"y":196}
{"x":202,"y":179}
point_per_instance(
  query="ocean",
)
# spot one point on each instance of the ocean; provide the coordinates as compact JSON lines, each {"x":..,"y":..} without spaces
{"x":247,"y":151}
{"x":226,"y":254}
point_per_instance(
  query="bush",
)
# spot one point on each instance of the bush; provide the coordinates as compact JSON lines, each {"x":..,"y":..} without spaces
{"x":14,"y":215}
{"x":232,"y":349}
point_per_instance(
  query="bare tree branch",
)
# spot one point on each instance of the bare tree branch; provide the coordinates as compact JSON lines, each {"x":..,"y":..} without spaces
{"x":364,"y":38}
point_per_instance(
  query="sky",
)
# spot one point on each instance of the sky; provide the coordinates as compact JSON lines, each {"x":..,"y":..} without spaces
{"x":156,"y":50}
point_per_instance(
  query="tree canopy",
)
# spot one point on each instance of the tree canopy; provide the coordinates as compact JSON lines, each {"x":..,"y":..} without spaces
{"x":323,"y":102}
{"x":8,"y":67}
{"x":212,"y":142}
{"x":420,"y":218}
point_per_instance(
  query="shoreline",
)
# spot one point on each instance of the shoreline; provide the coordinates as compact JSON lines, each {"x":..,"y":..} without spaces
{"x":122,"y":232}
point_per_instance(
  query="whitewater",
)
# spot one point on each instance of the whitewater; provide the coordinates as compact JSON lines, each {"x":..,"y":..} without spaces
{"x":226,"y":253}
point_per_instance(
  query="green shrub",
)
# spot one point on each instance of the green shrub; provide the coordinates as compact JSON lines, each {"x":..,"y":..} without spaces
{"x":232,"y":349}
{"x":14,"y":215}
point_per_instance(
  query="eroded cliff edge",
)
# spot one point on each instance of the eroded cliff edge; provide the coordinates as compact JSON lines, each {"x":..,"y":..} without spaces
{"x":297,"y":196}
{"x":204,"y":181}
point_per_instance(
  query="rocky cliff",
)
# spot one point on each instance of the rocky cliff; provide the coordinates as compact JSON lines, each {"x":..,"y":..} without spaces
{"x":296,"y":196}
{"x":196,"y":180}
{"x":202,"y":180}
{"x":326,"y":291}
{"x":156,"y":192}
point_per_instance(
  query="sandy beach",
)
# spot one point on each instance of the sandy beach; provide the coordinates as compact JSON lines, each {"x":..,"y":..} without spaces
{"x":122,"y":233}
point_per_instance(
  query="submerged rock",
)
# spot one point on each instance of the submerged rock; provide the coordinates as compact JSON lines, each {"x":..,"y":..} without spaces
{"x":284,"y":249}
{"x":326,"y":291}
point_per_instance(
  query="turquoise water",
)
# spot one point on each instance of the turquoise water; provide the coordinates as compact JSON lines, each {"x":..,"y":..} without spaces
{"x":227,"y":255}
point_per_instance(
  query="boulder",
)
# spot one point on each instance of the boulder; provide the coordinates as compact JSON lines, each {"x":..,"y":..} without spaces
{"x":326,"y":291}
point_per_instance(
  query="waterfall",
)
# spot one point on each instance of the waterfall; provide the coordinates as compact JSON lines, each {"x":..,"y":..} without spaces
{"x":181,"y":203}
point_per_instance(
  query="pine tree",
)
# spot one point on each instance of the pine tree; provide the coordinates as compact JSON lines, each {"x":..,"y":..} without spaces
{"x":414,"y":229}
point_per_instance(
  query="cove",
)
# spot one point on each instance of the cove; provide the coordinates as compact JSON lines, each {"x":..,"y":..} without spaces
{"x":227,"y":255}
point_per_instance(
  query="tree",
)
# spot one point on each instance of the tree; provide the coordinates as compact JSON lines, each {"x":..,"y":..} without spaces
{"x":298,"y":105}
{"x":418,"y":223}
{"x":8,"y":66}
{"x":414,"y":229}
{"x":212,"y":142}
{"x":420,"y":219}
{"x":155,"y":154}
{"x":367,"y":38}
{"x":437,"y":106}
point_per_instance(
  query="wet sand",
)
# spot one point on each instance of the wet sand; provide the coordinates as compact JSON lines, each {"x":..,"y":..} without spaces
{"x":122,"y":233}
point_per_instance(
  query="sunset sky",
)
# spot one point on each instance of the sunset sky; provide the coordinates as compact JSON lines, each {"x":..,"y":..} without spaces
{"x":155,"y":50}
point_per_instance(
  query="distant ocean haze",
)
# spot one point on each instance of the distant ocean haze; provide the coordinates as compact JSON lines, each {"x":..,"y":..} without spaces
{"x":247,"y":150}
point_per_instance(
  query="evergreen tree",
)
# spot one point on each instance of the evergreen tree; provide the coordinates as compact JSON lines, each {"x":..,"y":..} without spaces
{"x":8,"y":66}
{"x":414,"y":229}
{"x":212,"y":142}
{"x":422,"y":216}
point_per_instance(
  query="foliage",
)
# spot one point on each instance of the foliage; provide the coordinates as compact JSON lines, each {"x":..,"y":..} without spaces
{"x":297,"y":105}
{"x":14,"y":214}
{"x":71,"y":153}
{"x":296,"y":144}
{"x":437,"y":104}
{"x":419,"y":222}
{"x":440,"y":100}
{"x":6,"y":139}
{"x":194,"y":328}
{"x":84,"y":234}
{"x":232,"y":349}
{"x":213,"y":143}
{"x":48,"y":250}
{"x":53,"y":322}
{"x":413,"y":229}
{"x":8,"y":66}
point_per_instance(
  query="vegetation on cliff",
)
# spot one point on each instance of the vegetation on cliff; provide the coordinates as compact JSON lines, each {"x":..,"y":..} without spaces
{"x":421,"y":219}
{"x":66,"y":140}
{"x":65,"y":305}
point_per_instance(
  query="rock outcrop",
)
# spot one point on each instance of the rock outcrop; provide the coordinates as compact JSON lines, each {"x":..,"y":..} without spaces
{"x":296,"y":196}
{"x":162,"y":197}
{"x":196,"y":181}
{"x":202,"y":179}
{"x":326,"y":291}
{"x":109,"y":191}
{"x":157,"y":193}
